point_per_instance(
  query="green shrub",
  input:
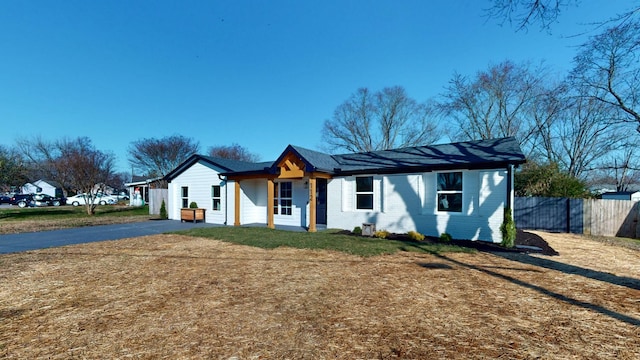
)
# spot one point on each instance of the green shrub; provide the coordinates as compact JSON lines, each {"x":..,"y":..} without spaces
{"x":357,"y":230}
{"x":163,"y":211}
{"x":508,"y":229}
{"x":415,"y":236}
{"x":381,"y":234}
{"x":445,"y":237}
{"x":193,"y":205}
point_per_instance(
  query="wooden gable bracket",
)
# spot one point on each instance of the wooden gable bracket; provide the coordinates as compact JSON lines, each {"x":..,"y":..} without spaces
{"x":291,"y":167}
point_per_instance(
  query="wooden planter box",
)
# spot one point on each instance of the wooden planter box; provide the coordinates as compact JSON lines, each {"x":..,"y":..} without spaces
{"x":193,"y":215}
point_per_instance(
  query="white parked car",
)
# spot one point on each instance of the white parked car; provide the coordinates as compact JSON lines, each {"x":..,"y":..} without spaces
{"x":104,"y":199}
{"x":100,"y":199}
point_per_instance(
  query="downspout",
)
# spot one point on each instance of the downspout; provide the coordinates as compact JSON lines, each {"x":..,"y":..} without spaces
{"x":510,"y":189}
{"x":226,"y":197}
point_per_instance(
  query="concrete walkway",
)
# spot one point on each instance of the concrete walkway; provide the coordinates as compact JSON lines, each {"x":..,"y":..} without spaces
{"x":40,"y":240}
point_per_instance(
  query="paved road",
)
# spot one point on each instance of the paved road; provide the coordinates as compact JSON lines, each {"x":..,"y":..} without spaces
{"x":39,"y":240}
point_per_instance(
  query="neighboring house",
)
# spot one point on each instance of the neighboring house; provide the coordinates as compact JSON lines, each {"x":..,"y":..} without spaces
{"x":622,"y":195}
{"x":145,"y":191}
{"x":138,"y":187}
{"x":460,"y":188}
{"x":49,"y":187}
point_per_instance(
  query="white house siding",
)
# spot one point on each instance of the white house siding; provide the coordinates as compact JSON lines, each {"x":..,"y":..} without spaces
{"x":41,"y":187}
{"x":254,"y":199}
{"x":300,"y":197}
{"x":199,"y":178}
{"x":408,"y":202}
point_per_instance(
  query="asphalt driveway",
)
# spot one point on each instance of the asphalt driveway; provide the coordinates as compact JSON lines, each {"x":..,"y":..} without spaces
{"x":39,"y":240}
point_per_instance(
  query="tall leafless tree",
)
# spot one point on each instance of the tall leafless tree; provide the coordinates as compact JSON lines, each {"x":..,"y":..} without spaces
{"x":609,"y":64}
{"x":233,"y":152}
{"x":520,"y":14}
{"x":523,"y":13}
{"x":619,"y":168}
{"x":74,"y":163}
{"x":378,"y":121}
{"x":499,"y":102}
{"x":585,"y":135}
{"x":157,"y":157}
{"x":90,"y":170}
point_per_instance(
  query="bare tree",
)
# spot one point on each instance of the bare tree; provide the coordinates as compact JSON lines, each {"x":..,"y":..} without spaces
{"x":523,"y":13}
{"x":39,"y":154}
{"x":609,"y":64}
{"x":378,"y":121}
{"x":620,"y":169}
{"x":233,"y":152}
{"x":74,"y":163}
{"x":585,"y":135}
{"x":157,"y":157}
{"x":46,"y":159}
{"x":90,"y":170}
{"x":499,"y":102}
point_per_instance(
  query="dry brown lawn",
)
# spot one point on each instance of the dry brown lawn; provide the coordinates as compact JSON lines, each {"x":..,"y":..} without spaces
{"x":179,"y":297}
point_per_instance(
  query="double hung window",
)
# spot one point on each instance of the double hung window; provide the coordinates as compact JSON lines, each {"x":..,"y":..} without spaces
{"x":216,"y":204}
{"x":364,"y":192}
{"x":185,"y":196}
{"x":282,"y":198}
{"x":450,"y":191}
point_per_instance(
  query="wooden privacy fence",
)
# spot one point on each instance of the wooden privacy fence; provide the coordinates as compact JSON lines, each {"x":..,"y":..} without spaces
{"x":579,"y":216}
{"x":156,"y":196}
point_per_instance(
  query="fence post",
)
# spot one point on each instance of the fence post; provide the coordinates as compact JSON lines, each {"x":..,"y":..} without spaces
{"x":586,"y":213}
{"x":636,"y":219}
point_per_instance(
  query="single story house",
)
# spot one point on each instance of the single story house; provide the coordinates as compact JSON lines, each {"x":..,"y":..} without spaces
{"x":49,"y":187}
{"x":460,"y":188}
{"x":139,"y":188}
{"x":621,"y":195}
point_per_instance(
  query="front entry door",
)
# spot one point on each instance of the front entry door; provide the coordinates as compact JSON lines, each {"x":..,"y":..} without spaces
{"x":321,"y":201}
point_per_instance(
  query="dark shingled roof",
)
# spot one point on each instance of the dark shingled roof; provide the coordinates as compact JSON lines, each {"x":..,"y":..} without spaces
{"x":227,"y":165}
{"x":481,"y":154}
{"x":319,"y":161}
{"x":471,"y":154}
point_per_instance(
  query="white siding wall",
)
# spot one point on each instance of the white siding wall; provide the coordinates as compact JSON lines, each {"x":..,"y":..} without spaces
{"x":253,"y":201}
{"x":199,"y":178}
{"x":408,"y":202}
{"x":46,"y":187}
{"x":299,"y":201}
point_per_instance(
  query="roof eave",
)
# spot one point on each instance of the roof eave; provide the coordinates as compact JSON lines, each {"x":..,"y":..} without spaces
{"x":430,"y":168}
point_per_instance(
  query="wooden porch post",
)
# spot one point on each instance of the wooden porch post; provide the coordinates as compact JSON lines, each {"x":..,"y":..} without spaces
{"x":312,"y":204}
{"x":237,"y":204}
{"x":270,"y":223}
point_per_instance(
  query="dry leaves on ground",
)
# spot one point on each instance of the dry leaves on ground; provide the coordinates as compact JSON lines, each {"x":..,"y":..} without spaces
{"x":171,"y":296}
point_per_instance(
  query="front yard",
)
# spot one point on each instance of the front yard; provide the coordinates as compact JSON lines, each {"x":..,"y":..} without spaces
{"x":177,"y":296}
{"x":16,"y":220}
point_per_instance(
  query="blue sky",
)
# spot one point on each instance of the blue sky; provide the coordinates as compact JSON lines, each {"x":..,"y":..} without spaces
{"x":263,"y":74}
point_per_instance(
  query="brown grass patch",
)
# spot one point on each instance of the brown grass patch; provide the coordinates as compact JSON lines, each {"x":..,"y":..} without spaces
{"x":171,"y":296}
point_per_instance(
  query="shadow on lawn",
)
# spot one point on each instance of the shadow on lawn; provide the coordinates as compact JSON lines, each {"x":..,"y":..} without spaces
{"x":574,"y":270}
{"x":586,"y":305}
{"x":521,"y":256}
